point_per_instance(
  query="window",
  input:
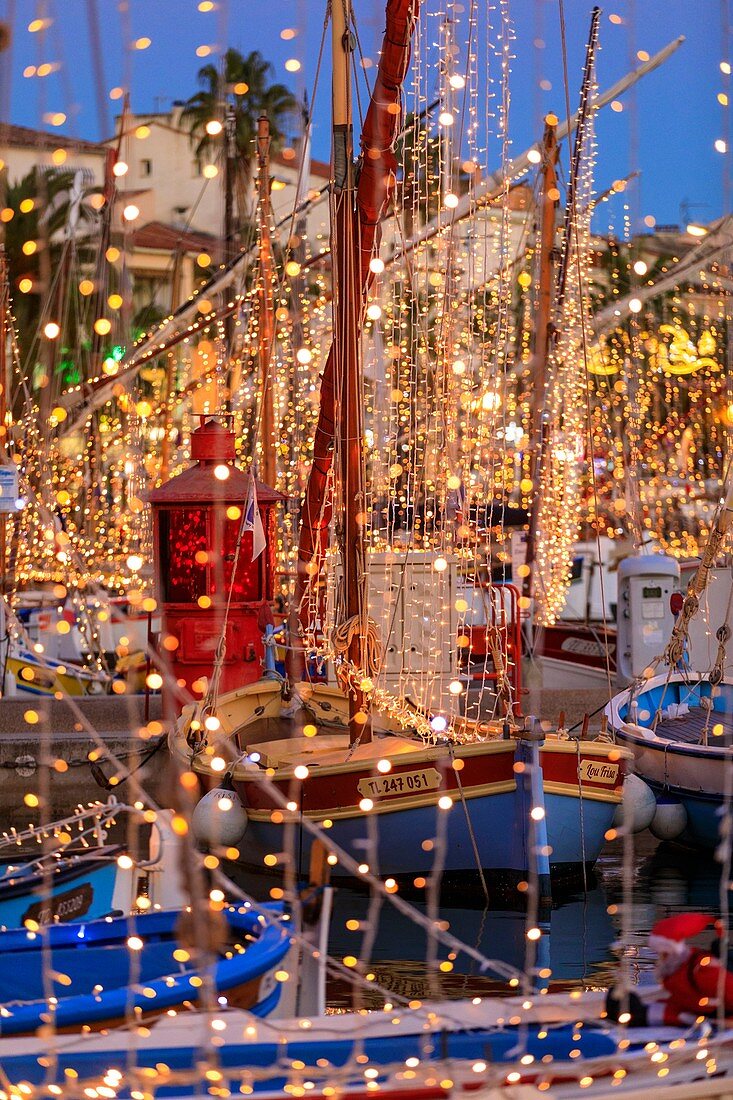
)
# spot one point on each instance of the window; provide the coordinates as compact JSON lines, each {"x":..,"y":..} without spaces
{"x":146,"y":167}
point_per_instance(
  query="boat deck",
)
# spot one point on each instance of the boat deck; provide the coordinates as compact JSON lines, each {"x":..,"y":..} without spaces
{"x":690,"y":730}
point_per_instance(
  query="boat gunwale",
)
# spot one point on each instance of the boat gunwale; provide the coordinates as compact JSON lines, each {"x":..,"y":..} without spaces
{"x":427,"y":754}
{"x":647,"y":737}
{"x":169,"y":990}
{"x":68,"y":867}
{"x":676,"y":748}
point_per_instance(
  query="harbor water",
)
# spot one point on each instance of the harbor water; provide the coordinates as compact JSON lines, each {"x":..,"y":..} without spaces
{"x":581,"y":936}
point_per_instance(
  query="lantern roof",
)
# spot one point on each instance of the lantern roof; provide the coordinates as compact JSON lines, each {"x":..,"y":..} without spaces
{"x":212,"y":448}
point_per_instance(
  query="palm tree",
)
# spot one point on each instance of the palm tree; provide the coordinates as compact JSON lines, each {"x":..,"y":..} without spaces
{"x":34,"y":242}
{"x":243,"y":83}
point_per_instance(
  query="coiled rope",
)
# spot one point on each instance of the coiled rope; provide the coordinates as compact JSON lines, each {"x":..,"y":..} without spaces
{"x":367,"y":632}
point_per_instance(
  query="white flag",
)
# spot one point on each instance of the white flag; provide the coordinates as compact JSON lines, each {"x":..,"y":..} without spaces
{"x":253,"y":520}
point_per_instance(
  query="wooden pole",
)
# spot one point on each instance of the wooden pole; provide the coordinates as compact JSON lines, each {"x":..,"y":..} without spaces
{"x":230,"y":152}
{"x":4,"y":310}
{"x":170,"y":372}
{"x":542,"y":336}
{"x":266,"y":328}
{"x":347,"y":362}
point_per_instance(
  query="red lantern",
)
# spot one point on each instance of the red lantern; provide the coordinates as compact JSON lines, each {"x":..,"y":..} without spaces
{"x":202,"y":555}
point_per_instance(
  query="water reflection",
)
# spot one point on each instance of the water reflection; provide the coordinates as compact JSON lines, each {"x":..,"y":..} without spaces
{"x":578,"y":936}
{"x":574,"y":947}
{"x":577,"y":940}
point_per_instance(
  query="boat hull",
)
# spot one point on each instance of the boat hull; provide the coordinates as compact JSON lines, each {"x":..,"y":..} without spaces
{"x":686,"y":774}
{"x":703,"y":814}
{"x":692,"y":773}
{"x":99,"y":980}
{"x":333,"y":1055}
{"x":480,"y":1045}
{"x":28,"y":676}
{"x":575,"y":656}
{"x":403,"y":855}
{"x":582,"y":788}
{"x":75,"y":888}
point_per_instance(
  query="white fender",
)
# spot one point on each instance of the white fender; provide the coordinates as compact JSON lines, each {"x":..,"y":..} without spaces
{"x":638,"y":805}
{"x":219,"y":819}
{"x":670,"y":818}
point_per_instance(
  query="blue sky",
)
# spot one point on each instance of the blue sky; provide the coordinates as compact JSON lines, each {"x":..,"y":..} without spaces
{"x":667,"y":129}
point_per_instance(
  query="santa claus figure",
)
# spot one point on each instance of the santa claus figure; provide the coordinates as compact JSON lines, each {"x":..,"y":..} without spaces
{"x":690,"y":978}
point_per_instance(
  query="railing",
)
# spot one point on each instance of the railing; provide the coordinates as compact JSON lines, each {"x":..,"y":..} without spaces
{"x":495,"y":639}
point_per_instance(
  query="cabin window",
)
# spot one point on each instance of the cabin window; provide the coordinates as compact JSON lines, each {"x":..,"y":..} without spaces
{"x":146,"y":167}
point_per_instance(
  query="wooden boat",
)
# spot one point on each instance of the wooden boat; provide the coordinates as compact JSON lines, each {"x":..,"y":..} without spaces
{"x":514,"y":807}
{"x":680,"y":729}
{"x":481,"y":774}
{"x":80,"y":884}
{"x":505,"y":1047}
{"x":107,"y":971}
{"x":29,"y":674}
{"x":576,"y":656}
{"x":38,"y":613}
{"x":679,"y":723}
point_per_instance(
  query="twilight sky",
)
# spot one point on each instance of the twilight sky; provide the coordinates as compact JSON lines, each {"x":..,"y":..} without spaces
{"x":667,"y":128}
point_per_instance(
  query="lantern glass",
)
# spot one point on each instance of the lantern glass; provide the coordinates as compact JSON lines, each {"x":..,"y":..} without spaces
{"x":245,"y":585}
{"x":183,"y":534}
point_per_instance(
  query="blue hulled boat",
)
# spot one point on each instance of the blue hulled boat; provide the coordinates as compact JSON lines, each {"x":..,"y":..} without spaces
{"x":74,"y":886}
{"x":679,"y":728}
{"x":67,"y":870}
{"x":101,"y":973}
{"x":505,"y":1047}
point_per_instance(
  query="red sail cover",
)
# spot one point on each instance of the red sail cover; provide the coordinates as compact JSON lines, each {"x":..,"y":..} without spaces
{"x":382,"y":125}
{"x":375,"y":189}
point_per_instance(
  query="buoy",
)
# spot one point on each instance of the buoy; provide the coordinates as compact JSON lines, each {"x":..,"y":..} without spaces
{"x":638,"y":805}
{"x":670,"y":818}
{"x":219,"y":819}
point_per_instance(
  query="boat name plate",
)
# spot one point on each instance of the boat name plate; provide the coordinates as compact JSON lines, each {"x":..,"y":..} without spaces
{"x":586,"y":648}
{"x":599,"y":771}
{"x":427,"y":779}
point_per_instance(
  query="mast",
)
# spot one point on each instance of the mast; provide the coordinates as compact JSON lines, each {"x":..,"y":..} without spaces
{"x":542,"y":332}
{"x":373,"y":196}
{"x":4,"y":328}
{"x":266,"y":323}
{"x":347,"y":296}
{"x":230,"y":153}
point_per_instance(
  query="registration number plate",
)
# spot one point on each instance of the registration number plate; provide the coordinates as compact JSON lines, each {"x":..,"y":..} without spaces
{"x":379,"y":786}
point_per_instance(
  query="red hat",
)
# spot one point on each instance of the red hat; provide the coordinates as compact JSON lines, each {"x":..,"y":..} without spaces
{"x":670,"y":934}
